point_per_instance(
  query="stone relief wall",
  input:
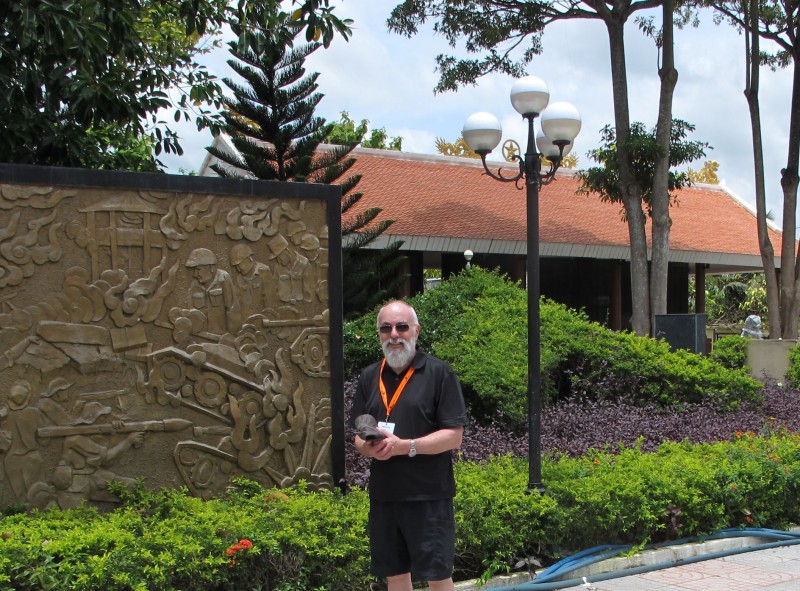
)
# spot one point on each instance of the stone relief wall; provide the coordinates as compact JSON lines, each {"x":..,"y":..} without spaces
{"x":182,"y":338}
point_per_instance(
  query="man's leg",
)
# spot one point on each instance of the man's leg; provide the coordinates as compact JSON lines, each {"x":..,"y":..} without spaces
{"x":399,"y":582}
{"x":444,"y":585}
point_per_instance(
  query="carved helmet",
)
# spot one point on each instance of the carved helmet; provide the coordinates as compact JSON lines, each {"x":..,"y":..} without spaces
{"x":201,"y":256}
{"x":239,"y":253}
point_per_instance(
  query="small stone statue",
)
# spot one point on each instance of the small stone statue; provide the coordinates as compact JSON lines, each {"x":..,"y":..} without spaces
{"x":752,"y":327}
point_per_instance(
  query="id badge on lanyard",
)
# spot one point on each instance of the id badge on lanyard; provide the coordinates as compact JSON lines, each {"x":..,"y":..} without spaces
{"x":385,"y":397}
{"x":386,"y":426}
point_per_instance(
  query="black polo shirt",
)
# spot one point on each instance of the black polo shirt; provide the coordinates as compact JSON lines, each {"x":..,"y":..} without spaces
{"x":431,"y":400}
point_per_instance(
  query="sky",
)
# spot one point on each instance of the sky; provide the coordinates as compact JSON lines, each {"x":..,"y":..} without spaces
{"x":389,"y":79}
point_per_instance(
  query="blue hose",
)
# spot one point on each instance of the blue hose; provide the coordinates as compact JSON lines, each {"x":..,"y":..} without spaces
{"x":546,"y":580}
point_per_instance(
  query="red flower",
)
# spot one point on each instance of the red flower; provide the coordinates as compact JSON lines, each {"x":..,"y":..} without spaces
{"x":243,"y":544}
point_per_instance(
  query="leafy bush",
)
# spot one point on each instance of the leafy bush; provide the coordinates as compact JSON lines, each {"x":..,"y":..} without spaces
{"x":487,"y":346}
{"x":361,"y":344}
{"x":439,"y":311}
{"x":682,"y":490}
{"x":499,"y":523}
{"x":730,"y":351}
{"x":649,"y":370}
{"x":170,"y":541}
{"x":294,"y":540}
{"x":793,"y":373}
{"x":477,"y":322}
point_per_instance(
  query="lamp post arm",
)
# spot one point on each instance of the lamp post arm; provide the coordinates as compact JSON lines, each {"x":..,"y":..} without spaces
{"x":555,"y":164}
{"x":499,"y":176}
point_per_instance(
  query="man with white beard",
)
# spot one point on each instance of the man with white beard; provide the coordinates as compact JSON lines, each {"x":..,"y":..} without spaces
{"x":415,"y":403}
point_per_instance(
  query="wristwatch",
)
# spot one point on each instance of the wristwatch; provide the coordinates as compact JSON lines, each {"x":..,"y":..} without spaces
{"x":412,"y":448}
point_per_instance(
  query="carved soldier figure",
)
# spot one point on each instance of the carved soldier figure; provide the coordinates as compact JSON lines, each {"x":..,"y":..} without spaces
{"x":85,"y":468}
{"x":291,"y":276}
{"x":23,"y":458}
{"x":212,"y":292}
{"x":254,"y":280}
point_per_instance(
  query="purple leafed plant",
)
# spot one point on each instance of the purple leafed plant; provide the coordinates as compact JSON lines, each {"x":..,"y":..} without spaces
{"x":574,"y":426}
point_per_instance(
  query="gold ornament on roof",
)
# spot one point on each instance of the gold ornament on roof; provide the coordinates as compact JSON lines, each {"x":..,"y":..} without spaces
{"x":511,"y":150}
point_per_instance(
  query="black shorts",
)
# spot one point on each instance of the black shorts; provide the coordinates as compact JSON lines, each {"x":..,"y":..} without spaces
{"x":415,"y":536}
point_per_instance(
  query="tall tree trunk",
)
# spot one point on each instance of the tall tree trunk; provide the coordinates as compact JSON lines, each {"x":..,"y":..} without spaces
{"x":752,"y":48}
{"x":790,"y":264}
{"x":629,"y":189}
{"x":660,"y":201}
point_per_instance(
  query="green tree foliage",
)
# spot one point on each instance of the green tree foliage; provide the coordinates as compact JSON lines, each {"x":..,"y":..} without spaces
{"x":315,"y":17}
{"x":345,"y":131}
{"x":83,"y":83}
{"x":86,"y":83}
{"x":494,"y":28}
{"x":271,"y":122}
{"x":732,"y":298}
{"x":502,"y":36}
{"x":498,"y":36}
{"x":604,"y":180}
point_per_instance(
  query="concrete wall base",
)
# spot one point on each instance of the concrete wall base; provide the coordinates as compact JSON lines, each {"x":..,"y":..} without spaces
{"x":769,"y":358}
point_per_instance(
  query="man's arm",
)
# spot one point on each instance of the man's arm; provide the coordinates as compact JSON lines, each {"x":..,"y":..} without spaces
{"x":433,"y":443}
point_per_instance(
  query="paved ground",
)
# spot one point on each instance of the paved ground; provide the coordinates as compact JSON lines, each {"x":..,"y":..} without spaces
{"x":775,"y":569}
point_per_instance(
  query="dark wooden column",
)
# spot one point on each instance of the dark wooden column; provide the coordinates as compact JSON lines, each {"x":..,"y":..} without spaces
{"x":615,"y":317}
{"x":700,"y":288}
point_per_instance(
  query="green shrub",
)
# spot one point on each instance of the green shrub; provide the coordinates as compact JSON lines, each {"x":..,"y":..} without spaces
{"x":439,"y":311}
{"x":499,"y":523}
{"x":681,"y":491}
{"x":632,"y":497}
{"x":730,"y":351}
{"x":793,"y":373}
{"x":169,"y":541}
{"x":294,"y":540}
{"x":486,"y":344}
{"x":477,"y":322}
{"x":654,"y":372}
{"x":361,"y":344}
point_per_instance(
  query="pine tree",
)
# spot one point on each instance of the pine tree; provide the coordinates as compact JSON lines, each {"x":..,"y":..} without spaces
{"x":270,"y":121}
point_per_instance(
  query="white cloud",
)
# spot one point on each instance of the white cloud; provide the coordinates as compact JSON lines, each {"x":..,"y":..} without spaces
{"x":389,"y":80}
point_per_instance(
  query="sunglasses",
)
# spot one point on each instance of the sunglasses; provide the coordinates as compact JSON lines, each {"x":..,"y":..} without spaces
{"x":399,"y":327}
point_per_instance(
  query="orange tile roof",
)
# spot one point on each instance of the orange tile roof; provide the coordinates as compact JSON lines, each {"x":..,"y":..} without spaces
{"x":450,"y":199}
{"x":448,"y":204}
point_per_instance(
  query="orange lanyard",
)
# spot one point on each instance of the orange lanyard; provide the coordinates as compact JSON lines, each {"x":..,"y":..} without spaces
{"x":384,"y":396}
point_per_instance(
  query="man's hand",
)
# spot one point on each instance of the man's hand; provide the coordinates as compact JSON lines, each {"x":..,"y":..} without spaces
{"x":387,"y":447}
{"x":434,"y":443}
{"x":382,"y":449}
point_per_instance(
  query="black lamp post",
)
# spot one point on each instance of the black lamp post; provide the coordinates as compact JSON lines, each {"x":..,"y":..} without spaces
{"x":560,"y":124}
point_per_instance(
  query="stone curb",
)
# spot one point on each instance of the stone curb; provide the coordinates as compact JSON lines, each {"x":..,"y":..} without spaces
{"x":664,"y":554}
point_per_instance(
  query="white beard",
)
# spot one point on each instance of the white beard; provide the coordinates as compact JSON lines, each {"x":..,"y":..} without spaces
{"x":399,"y":360}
